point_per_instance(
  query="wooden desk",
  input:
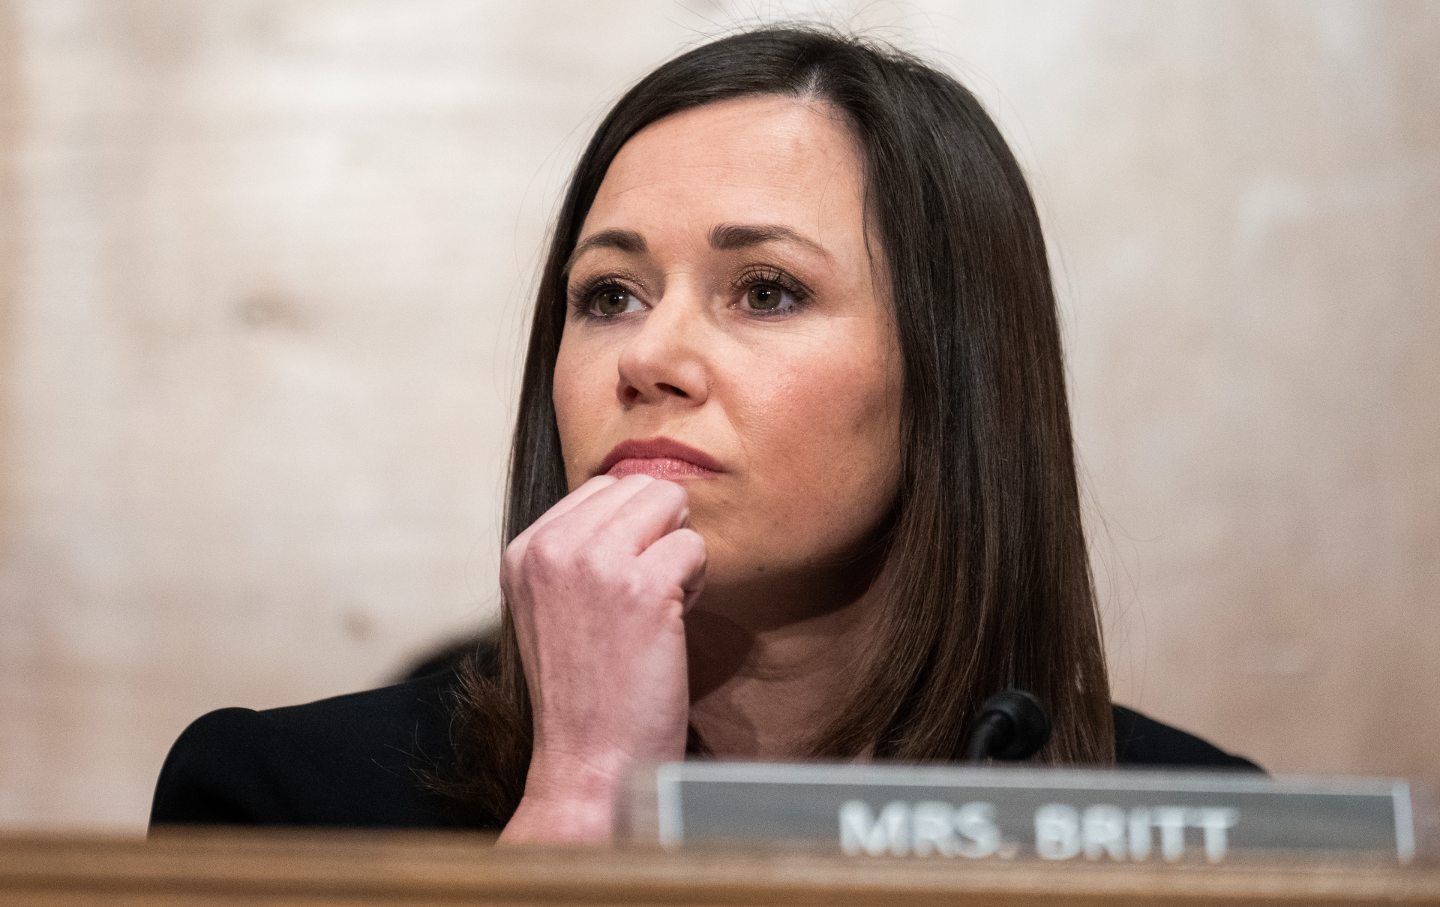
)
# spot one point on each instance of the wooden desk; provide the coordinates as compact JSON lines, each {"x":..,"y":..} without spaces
{"x":274,"y":868}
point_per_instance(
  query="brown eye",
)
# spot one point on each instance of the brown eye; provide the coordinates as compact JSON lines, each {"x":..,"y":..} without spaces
{"x":611,"y":301}
{"x":765,"y":297}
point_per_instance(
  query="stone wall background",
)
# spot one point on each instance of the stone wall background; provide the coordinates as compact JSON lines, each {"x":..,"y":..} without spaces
{"x":263,"y":272}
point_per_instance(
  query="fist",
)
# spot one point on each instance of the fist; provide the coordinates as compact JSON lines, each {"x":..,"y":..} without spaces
{"x":598,"y":589}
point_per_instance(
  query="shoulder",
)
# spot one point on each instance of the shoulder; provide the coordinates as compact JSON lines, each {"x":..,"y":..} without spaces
{"x":1143,"y":741}
{"x":360,"y":759}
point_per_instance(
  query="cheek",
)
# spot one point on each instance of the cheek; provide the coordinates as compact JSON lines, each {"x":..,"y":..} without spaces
{"x":849,"y":427}
{"x":575,"y":393}
{"x":824,"y":444}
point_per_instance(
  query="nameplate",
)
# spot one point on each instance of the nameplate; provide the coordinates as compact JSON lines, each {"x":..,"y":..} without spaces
{"x":1116,"y":816}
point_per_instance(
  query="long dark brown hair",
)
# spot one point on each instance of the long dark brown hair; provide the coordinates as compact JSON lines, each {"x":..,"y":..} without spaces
{"x":985,"y":577}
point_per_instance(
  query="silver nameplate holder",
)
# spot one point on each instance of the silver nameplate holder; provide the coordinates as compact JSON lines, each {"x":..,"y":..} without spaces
{"x":1114,"y":816}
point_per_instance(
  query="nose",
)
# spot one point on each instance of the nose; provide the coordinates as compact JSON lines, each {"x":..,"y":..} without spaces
{"x":663,"y":360}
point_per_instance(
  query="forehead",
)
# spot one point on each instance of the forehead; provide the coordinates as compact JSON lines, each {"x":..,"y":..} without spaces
{"x":762,"y":159}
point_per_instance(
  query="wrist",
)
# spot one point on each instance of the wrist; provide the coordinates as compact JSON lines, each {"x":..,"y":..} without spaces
{"x":566,"y":801}
{"x":559,"y":821}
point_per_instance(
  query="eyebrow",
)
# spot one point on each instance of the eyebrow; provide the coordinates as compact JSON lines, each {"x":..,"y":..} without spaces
{"x":723,"y":238}
{"x":621,"y":240}
{"x":729,"y":237}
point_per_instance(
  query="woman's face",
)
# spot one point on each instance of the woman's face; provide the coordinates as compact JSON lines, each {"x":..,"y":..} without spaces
{"x":723,"y":296}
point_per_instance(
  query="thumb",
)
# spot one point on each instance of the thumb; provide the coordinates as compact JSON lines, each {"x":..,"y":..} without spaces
{"x":679,"y":557}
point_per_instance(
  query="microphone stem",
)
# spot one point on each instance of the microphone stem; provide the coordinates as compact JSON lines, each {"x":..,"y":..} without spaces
{"x":982,"y":739}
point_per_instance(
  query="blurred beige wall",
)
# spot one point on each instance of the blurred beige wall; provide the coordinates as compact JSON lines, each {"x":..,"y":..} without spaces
{"x":263,"y":273}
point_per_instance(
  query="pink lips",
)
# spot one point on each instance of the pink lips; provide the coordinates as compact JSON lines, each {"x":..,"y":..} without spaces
{"x":658,"y":457}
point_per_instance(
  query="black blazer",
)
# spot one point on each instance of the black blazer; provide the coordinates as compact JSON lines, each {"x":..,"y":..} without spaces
{"x":365,"y":759}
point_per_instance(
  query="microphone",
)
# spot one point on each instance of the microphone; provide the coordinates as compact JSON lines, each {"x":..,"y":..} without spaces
{"x":1013,"y":725}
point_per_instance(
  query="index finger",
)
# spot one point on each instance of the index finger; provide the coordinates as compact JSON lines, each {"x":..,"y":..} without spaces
{"x":566,"y":504}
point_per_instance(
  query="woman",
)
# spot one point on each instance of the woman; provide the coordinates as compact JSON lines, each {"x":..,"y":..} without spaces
{"x":792,"y":476}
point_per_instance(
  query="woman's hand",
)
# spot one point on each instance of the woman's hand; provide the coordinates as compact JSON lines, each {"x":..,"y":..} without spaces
{"x":598,"y":588}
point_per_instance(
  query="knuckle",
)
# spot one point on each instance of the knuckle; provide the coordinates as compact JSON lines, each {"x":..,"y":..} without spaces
{"x":546,"y":553}
{"x":673,"y":608}
{"x":634,"y":587}
{"x":645,"y":588}
{"x":546,"y":548}
{"x":514,"y":554}
{"x":594,"y":561}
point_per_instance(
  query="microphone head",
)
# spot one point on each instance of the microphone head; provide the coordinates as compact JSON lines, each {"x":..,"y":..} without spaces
{"x":1029,"y":722}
